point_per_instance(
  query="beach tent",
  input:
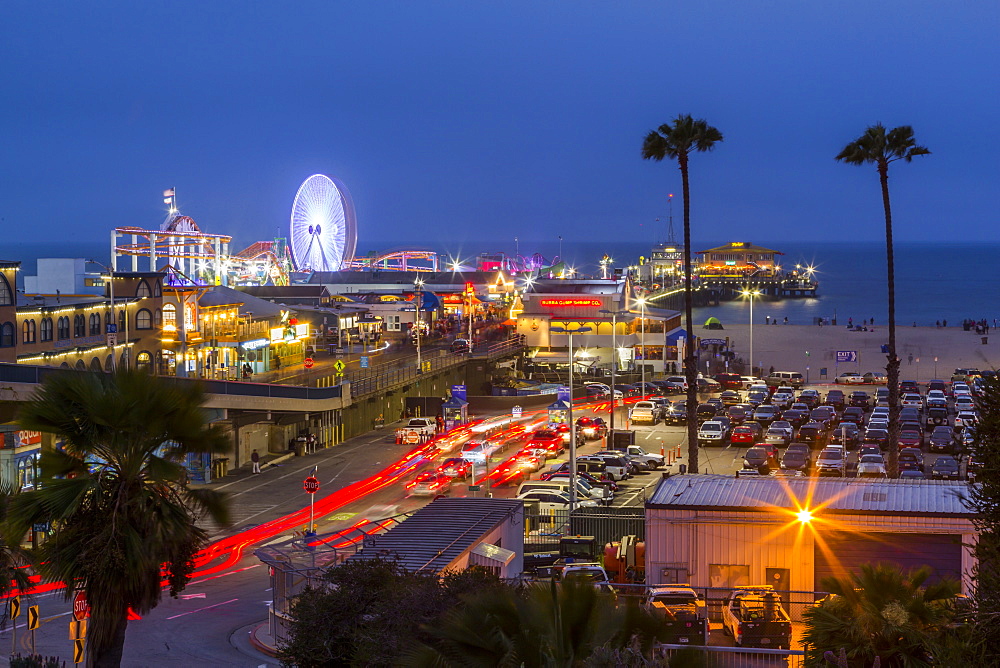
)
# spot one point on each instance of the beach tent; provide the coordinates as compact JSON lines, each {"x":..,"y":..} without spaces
{"x":713,"y":323}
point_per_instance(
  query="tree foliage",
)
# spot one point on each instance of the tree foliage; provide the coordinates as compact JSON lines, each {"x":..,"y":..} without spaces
{"x":545,"y":626}
{"x":881,"y":612}
{"x":116,"y":493}
{"x":370,"y":612}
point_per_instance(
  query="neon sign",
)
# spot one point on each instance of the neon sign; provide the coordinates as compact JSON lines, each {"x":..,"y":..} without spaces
{"x":570,"y":302}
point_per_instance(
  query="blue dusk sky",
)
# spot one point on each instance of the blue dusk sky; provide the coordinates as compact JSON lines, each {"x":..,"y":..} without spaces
{"x":474,"y":121}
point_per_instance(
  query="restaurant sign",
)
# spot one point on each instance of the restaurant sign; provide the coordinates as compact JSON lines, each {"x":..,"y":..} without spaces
{"x":570,"y":302}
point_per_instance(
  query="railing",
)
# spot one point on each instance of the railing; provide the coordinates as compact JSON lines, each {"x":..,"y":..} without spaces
{"x":735,"y":657}
{"x":30,"y":374}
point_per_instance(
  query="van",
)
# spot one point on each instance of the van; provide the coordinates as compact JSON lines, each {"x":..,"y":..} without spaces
{"x":791,"y":378}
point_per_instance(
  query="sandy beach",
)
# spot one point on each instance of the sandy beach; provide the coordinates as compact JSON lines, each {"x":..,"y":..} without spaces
{"x":813,"y":348}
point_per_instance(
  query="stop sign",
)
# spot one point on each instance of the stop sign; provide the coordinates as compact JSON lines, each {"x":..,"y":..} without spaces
{"x":308,"y":363}
{"x":81,"y":610}
{"x":311,"y":485}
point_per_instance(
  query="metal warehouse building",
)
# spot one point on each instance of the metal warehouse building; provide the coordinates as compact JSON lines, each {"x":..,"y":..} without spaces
{"x":720,"y":531}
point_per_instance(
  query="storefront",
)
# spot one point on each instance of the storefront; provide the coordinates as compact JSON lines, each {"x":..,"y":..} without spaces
{"x":19,"y":454}
{"x":255,"y":356}
{"x":288,"y":343}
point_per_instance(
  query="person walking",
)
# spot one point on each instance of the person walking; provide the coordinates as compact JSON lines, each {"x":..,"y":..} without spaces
{"x":255,"y":459}
{"x":909,"y":358}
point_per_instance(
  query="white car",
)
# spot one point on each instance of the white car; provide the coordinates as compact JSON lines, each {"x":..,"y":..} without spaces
{"x":850,"y":378}
{"x":831,"y":461}
{"x":966,"y":419}
{"x":965,"y":404}
{"x":777,"y":436}
{"x":914,"y":400}
{"x":872,"y":466}
{"x":936,"y":395}
{"x":680,"y":381}
{"x":712,"y":433}
{"x":747,"y":382}
{"x":552,"y":500}
{"x":782,"y":399}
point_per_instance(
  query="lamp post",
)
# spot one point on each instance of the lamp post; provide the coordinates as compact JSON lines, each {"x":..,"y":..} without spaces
{"x":572,"y":424}
{"x":746,"y":292}
{"x":614,"y":364}
{"x":418,"y":284}
{"x":642,"y":368}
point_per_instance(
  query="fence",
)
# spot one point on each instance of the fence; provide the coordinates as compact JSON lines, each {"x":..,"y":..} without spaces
{"x":735,"y":657}
{"x":544,"y":529}
{"x":794,"y":602}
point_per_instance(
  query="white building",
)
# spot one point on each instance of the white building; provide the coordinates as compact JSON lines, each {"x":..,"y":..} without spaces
{"x":64,"y":275}
{"x":721,"y":531}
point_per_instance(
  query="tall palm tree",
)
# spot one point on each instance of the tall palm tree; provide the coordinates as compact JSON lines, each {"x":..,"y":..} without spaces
{"x":116,"y":493}
{"x":881,"y":612}
{"x":676,"y":140}
{"x":880,"y":148}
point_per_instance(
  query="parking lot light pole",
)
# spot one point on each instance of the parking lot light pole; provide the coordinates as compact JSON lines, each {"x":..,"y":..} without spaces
{"x":614,"y":368}
{"x":572,"y":424}
{"x":750,"y":294}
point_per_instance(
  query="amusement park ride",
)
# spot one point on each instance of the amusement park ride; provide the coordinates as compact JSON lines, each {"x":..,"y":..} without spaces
{"x":322,"y":238}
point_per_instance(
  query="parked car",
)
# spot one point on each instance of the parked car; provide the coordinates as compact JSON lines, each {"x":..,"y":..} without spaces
{"x":832,"y":460}
{"x":875,"y":378}
{"x":742,"y":436}
{"x":911,"y":474}
{"x":712,"y":432}
{"x":797,"y":457}
{"x":836,"y":399}
{"x":942,"y":439}
{"x":871,"y":466}
{"x":676,"y":413}
{"x":645,"y":412}
{"x":936,"y":417}
{"x":945,"y":468}
{"x":911,"y":459}
{"x":908,"y":387}
{"x":730,"y":397}
{"x":765,"y":414}
{"x":911,"y":438}
{"x":792,"y":378}
{"x":796,"y":418}
{"x":778,"y":436}
{"x":813,"y":433}
{"x":706,"y":412}
{"x":860,"y":399}
{"x":877,"y":437}
{"x":849,"y":378}
{"x":550,"y":501}
{"x":810,"y":398}
{"x":680,"y":382}
{"x":854,"y":415}
{"x":760,"y":459}
{"x":754,"y":617}
{"x":706,"y":385}
{"x":729,"y":381}
{"x":846,"y":434}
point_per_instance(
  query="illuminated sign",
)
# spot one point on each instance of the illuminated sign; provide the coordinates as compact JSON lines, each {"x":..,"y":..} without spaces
{"x":570,"y":302}
{"x":256,"y":343}
{"x":277,"y":334}
{"x":738,"y":244}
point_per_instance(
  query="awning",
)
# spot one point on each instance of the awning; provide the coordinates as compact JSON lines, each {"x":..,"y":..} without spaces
{"x":674,"y":335}
{"x":558,"y":357}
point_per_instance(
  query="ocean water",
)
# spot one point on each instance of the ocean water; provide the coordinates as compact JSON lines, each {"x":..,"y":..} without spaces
{"x":934,"y":282}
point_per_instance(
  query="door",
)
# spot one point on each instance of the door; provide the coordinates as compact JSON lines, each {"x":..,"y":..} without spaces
{"x":780,"y":579}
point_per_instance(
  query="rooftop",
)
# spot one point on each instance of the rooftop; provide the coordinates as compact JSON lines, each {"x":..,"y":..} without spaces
{"x":437,"y":534}
{"x":837,"y":495}
{"x":739,"y":246}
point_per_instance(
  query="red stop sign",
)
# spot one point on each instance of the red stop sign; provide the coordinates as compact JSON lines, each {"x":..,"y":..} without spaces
{"x":308,"y":363}
{"x":311,"y":485}
{"x":81,"y":609}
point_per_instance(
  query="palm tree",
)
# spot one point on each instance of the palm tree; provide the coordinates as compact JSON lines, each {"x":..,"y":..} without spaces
{"x":878,"y":147}
{"x":547,"y":626}
{"x":14,"y":561}
{"x":116,"y":493}
{"x":880,"y":612}
{"x":676,"y":140}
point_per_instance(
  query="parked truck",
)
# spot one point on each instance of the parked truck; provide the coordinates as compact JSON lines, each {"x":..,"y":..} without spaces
{"x":685,"y":618}
{"x":417,"y":430}
{"x":755,"y":617}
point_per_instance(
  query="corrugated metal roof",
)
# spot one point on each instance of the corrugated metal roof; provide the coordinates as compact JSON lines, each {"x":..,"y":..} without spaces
{"x":852,"y":495}
{"x":438,"y":533}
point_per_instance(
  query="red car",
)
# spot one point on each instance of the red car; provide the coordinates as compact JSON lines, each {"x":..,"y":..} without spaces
{"x":548,"y":439}
{"x":456,"y":467}
{"x":742,"y":436}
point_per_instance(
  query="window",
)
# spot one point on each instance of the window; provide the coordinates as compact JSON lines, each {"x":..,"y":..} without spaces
{"x":169,"y":317}
{"x":46,"y":329}
{"x":79,"y":326}
{"x":144,"y":319}
{"x":143,"y":289}
{"x":7,"y":335}
{"x":121,"y":320}
{"x":144,"y":361}
{"x":62,"y":328}
{"x":6,"y":298}
{"x":157,"y":318}
{"x":95,"y":324}
{"x":157,"y":291}
{"x":674,"y":574}
{"x":28,"y":331}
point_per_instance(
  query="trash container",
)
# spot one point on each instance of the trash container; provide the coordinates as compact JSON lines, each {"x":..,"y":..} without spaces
{"x":985,"y":340}
{"x":300,"y":448}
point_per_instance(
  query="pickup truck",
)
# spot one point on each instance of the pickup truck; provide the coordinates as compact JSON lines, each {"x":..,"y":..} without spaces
{"x":645,"y":411}
{"x":713,"y":433}
{"x":417,"y":430}
{"x":648,"y":459}
{"x":685,"y":618}
{"x":755,"y":618}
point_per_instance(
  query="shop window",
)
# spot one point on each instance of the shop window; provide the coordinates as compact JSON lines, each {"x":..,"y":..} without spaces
{"x":28,"y":333}
{"x":7,"y":335}
{"x":143,"y":290}
{"x":46,"y":329}
{"x":6,"y":296}
{"x":167,"y":362}
{"x":144,"y":361}
{"x":144,"y":319}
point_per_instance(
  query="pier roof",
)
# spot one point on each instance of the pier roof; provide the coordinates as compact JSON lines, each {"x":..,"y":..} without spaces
{"x":737,"y":246}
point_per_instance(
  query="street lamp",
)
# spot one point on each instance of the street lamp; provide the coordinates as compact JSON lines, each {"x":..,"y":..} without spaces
{"x":572,"y":424}
{"x":614,"y":364}
{"x":418,"y":283}
{"x":642,"y":324}
{"x":750,"y":294}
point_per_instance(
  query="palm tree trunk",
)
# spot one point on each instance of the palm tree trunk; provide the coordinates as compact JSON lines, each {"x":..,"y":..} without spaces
{"x":690,"y":370}
{"x":892,"y":367}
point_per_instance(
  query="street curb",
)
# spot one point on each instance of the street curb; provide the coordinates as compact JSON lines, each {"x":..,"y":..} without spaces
{"x":260,"y":644}
{"x":277,"y":460}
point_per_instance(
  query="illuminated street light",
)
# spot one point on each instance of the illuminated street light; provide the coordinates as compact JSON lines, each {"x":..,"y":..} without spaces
{"x":572,"y":425}
{"x":805,"y":516}
{"x":748,"y":293}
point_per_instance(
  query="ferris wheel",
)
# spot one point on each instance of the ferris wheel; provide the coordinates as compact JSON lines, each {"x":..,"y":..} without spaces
{"x":323,"y":228}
